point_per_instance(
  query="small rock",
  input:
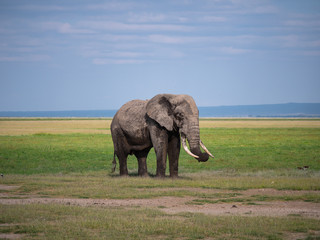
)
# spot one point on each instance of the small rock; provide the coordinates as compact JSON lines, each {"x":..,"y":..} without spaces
{"x":234,"y":206}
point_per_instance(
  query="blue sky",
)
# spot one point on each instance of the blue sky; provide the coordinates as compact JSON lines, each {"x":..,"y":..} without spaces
{"x":90,"y":55}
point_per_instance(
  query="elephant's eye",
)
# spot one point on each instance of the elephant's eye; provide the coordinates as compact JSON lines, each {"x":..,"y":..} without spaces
{"x":179,"y":116}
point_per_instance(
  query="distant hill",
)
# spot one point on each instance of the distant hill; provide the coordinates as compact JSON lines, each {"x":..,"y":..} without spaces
{"x":267,"y":110}
{"x":63,"y":114}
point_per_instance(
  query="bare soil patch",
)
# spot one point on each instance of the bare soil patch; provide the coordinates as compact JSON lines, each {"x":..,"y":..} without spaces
{"x":10,"y":236}
{"x":7,"y":187}
{"x":299,"y":236}
{"x":173,"y":205}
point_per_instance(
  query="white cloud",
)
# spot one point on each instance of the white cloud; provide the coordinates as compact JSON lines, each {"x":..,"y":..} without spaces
{"x":64,"y":27}
{"x":233,"y":51}
{"x":176,"y":54}
{"x":303,"y":23}
{"x":119,"y":26}
{"x":127,"y":54}
{"x":67,"y":28}
{"x":120,"y":37}
{"x":114,"y":31}
{"x":252,"y":7}
{"x":311,"y":53}
{"x":213,"y":19}
{"x":265,"y":9}
{"x":315,"y":43}
{"x":44,"y":8}
{"x":106,"y":61}
{"x":146,"y":17}
{"x":121,"y":54}
{"x":176,"y":39}
{"x":166,"y":39}
{"x":113,"y":6}
{"x":231,"y":7}
{"x":295,"y":41}
{"x":25,"y":58}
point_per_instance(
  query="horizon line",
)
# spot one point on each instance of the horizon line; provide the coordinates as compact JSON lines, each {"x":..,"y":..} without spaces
{"x":244,"y":105}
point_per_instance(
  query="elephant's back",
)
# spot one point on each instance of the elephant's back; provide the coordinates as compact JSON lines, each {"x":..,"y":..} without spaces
{"x":131,"y":116}
{"x":133,"y":109}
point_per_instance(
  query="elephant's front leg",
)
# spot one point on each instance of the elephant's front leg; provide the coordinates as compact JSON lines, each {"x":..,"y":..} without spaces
{"x":173,"y":153}
{"x":159,"y":139}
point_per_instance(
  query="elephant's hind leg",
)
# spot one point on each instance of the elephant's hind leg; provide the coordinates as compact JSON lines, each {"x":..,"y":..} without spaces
{"x":142,"y":162}
{"x":123,"y":163}
{"x":121,"y":149}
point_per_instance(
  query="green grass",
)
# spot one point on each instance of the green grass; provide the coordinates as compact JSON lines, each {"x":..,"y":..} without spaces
{"x":78,"y":166}
{"x":264,"y":149}
{"x":240,"y":150}
{"x":47,"y":153}
{"x":72,"y":222}
{"x":97,"y":185}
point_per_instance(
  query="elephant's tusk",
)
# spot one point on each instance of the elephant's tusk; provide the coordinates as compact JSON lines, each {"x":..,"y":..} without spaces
{"x":205,"y":149}
{"x":184,"y":144}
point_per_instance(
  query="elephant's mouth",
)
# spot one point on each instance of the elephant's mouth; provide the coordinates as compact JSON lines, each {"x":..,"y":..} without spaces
{"x":201,"y":157}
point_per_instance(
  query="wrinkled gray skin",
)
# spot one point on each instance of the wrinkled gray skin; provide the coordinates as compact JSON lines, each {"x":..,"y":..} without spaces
{"x":140,"y":125}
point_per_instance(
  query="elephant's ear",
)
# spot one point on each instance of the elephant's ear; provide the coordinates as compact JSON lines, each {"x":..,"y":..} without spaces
{"x":159,"y":109}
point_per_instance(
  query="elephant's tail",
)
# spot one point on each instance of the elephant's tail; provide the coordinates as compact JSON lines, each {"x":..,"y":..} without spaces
{"x":114,"y":163}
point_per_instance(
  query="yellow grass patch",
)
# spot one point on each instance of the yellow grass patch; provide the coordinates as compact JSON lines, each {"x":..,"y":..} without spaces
{"x":54,"y":127}
{"x":102,"y":126}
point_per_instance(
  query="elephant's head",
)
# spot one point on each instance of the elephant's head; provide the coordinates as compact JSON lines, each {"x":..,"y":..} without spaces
{"x":179,"y":112}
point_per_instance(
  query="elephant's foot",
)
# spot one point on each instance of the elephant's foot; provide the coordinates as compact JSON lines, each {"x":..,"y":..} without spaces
{"x":175,"y":175}
{"x":124,"y":173}
{"x":160,"y":176}
{"x":144,"y":175}
{"x":142,"y":172}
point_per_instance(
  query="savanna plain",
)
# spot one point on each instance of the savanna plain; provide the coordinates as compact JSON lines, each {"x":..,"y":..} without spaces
{"x":56,"y":183}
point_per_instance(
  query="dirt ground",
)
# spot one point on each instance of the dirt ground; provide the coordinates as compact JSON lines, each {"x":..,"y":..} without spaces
{"x":174,"y":205}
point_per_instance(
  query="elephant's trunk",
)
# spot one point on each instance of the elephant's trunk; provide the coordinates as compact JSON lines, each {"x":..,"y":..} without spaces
{"x":193,"y":136}
{"x":185,"y":147}
{"x":195,"y":149}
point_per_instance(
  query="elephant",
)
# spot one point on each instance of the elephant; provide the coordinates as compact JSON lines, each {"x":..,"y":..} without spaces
{"x":159,"y":123}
